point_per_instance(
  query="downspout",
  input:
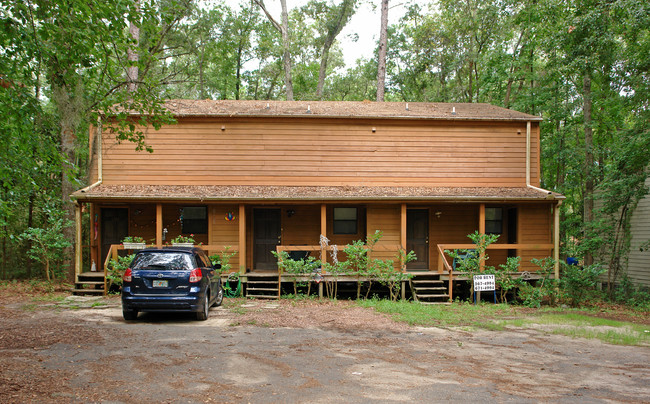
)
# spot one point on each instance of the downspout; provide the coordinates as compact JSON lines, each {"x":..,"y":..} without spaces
{"x":556,"y":210}
{"x":528,"y":142}
{"x":556,"y":239}
{"x":99,"y":158}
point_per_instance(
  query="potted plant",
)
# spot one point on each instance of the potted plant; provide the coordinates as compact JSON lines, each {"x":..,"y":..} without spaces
{"x":133,"y":243}
{"x":183,"y":241}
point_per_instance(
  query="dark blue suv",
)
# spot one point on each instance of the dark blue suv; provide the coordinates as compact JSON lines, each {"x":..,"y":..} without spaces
{"x":171,"y":279}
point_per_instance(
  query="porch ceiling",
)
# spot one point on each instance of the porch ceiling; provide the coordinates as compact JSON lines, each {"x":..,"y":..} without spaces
{"x":234,"y":193}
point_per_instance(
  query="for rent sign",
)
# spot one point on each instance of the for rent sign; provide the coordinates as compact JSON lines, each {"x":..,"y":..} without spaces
{"x":484,"y":283}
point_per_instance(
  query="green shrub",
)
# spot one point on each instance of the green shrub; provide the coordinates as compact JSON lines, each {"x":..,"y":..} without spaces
{"x":579,"y":283}
{"x":116,"y":268}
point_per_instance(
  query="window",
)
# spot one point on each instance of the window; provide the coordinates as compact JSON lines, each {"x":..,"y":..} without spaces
{"x":493,"y":220}
{"x":194,"y":220}
{"x":345,"y":220}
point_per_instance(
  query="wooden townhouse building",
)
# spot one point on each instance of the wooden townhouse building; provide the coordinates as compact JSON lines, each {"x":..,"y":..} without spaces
{"x":260,"y":176}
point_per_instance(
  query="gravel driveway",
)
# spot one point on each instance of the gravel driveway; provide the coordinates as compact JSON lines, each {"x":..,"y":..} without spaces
{"x":297,"y":352}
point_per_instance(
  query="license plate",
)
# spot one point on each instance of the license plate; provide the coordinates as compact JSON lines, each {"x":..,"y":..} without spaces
{"x":159,"y":284}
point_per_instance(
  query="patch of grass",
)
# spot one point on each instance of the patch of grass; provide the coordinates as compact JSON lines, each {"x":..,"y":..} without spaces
{"x":29,"y":307}
{"x":623,"y":336}
{"x":577,"y":325}
{"x":460,"y":314}
{"x":98,"y":304}
{"x":49,"y":298}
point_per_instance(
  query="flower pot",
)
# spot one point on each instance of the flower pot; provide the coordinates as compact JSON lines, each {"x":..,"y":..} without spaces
{"x":134,"y":246}
{"x":183,"y":244}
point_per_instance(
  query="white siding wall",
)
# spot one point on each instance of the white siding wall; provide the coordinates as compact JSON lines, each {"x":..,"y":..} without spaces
{"x":639,"y":264}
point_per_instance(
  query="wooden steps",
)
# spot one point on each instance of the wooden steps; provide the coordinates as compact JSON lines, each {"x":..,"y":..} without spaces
{"x":89,"y":283}
{"x":263,"y":286}
{"x":429,"y":289}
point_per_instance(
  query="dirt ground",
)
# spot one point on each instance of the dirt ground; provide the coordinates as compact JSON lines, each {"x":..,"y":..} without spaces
{"x":294,"y":351}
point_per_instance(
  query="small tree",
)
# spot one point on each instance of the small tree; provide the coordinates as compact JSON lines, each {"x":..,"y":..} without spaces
{"x":223,"y":259}
{"x":471,"y":260}
{"x":503,"y":277}
{"x":116,"y":268}
{"x":48,"y":244}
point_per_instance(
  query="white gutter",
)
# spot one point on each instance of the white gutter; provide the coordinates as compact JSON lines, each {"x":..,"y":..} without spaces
{"x":99,"y":158}
{"x":528,"y":164}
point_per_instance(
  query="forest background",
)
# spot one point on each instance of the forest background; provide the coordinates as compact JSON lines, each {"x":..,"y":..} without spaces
{"x":583,"y":65}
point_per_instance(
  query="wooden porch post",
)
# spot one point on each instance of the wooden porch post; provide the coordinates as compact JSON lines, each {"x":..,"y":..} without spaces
{"x":323,"y":251}
{"x":556,"y":239}
{"x":92,"y":241}
{"x":159,"y":225}
{"x":77,"y":251}
{"x":481,"y":230}
{"x":242,"y":239}
{"x":402,"y":234}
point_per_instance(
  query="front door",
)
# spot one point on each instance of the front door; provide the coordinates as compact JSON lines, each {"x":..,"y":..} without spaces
{"x":115,"y":226}
{"x":267,"y":234}
{"x":417,"y":238}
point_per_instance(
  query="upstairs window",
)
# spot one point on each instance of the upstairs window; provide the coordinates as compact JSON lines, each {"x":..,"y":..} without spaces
{"x":493,"y":220}
{"x":345,"y":221}
{"x":194,"y":220}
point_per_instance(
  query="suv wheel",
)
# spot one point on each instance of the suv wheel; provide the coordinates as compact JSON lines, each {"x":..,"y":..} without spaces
{"x":219,"y":299}
{"x":130,"y":314}
{"x":203,"y":314}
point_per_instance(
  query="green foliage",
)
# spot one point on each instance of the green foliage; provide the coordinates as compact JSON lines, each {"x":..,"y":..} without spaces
{"x":48,"y":245}
{"x":223,"y":259}
{"x":544,"y":290}
{"x":133,"y":239}
{"x":183,"y":239}
{"x":579,"y":283}
{"x":116,"y":268}
{"x":630,"y":294}
{"x":470,"y":261}
{"x":297,"y":268}
{"x":503,"y":276}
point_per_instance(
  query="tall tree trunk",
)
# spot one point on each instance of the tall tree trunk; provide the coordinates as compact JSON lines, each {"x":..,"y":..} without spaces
{"x":589,"y":160}
{"x":240,"y":50}
{"x":30,"y":223}
{"x":383,"y":48}
{"x":132,"y":53}
{"x":286,"y":58}
{"x":333,"y":31}
{"x":286,"y":55}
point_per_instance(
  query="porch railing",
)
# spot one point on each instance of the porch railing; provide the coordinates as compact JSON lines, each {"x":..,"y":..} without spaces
{"x":113,"y":253}
{"x":443,"y":264}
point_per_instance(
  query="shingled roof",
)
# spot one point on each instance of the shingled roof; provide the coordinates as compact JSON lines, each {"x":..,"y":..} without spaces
{"x":345,"y":109}
{"x":223,"y":193}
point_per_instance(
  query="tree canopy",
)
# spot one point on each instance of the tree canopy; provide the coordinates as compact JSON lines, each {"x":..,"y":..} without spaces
{"x":580,"y":64}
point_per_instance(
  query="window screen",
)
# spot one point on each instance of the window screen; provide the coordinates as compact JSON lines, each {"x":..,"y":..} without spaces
{"x":345,"y":220}
{"x":195,"y":220}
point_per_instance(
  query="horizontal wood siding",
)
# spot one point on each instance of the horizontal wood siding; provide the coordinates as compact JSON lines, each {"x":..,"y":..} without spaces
{"x":303,"y":227}
{"x":535,"y":226}
{"x":224,"y":232}
{"x":639,"y":261}
{"x":386,"y":219}
{"x":325,"y":152}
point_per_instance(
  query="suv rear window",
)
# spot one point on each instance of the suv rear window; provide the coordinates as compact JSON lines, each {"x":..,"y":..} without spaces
{"x":171,"y":261}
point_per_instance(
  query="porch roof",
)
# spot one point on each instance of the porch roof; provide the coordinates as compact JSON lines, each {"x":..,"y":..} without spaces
{"x":344,"y":109}
{"x":238,"y":193}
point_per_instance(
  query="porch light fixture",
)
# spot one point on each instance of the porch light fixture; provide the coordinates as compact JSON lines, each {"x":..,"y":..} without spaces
{"x":374,"y":129}
{"x":438,"y":214}
{"x":290,"y":212}
{"x":223,"y":127}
